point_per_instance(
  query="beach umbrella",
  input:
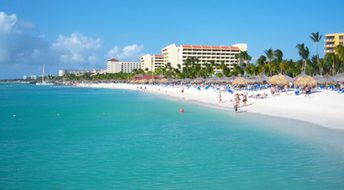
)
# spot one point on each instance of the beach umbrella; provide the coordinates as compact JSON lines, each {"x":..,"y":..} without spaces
{"x":228,"y":79}
{"x":290,"y":79}
{"x":279,"y":79}
{"x":320,"y":79}
{"x":304,"y":80}
{"x":198,"y":80}
{"x":240,"y":81}
{"x":263,"y":78}
{"x":214,"y":80}
{"x":185,"y":81}
{"x":254,"y":79}
{"x":339,"y":77}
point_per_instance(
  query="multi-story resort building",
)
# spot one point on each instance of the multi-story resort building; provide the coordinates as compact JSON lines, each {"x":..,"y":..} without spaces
{"x":116,"y":66}
{"x":151,"y":62}
{"x":177,"y":55}
{"x":332,"y":41}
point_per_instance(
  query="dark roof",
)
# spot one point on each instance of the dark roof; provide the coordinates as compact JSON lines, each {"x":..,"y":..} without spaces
{"x":113,"y":60}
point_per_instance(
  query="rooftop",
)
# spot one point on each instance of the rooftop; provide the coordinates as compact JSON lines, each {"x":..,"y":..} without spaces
{"x":113,"y":60}
{"x":210,"y":47}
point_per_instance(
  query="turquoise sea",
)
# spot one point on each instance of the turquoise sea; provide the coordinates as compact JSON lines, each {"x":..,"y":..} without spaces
{"x":54,"y":137}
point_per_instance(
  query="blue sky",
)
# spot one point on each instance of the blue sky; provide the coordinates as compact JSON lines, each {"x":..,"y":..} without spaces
{"x":83,"y":34}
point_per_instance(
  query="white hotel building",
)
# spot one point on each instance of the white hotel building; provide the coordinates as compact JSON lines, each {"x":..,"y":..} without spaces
{"x":205,"y":54}
{"x":116,"y":66}
{"x":151,"y":62}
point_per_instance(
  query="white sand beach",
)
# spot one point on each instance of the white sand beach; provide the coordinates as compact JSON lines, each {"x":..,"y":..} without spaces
{"x":323,"y":107}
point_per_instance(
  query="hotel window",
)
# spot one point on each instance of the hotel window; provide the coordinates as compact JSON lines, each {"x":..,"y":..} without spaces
{"x":341,"y":37}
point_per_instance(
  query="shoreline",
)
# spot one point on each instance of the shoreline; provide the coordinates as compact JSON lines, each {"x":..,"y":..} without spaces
{"x":324,"y":108}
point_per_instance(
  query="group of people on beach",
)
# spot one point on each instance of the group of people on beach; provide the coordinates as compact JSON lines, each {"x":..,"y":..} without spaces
{"x":236,"y":100}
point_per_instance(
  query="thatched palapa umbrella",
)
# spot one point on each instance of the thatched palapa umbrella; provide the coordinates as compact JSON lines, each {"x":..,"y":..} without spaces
{"x":320,"y":79}
{"x":240,"y":81}
{"x":339,"y":77}
{"x":305,"y":80}
{"x":198,"y":80}
{"x":279,"y":79}
{"x":263,"y":78}
{"x":228,"y":79}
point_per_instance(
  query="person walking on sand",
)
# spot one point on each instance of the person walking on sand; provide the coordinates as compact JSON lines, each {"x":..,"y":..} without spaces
{"x":236,"y":102}
{"x":244,"y":98}
{"x":307,"y":91}
{"x":273,"y":90}
{"x":220,"y":97}
{"x":286,"y":89}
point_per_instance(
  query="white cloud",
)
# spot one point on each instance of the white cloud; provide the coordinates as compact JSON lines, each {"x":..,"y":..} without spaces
{"x":26,"y":24}
{"x":76,"y":48}
{"x":113,"y":52}
{"x":7,"y":22}
{"x":127,"y":53}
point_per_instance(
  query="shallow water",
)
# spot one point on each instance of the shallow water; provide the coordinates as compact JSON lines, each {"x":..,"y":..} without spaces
{"x":71,"y":138}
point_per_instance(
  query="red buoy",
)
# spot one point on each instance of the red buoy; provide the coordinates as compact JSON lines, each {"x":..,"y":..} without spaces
{"x":181,"y":110}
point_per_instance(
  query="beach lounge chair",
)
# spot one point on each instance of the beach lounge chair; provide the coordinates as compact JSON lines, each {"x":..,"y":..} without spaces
{"x":297,"y":92}
{"x":230,"y":90}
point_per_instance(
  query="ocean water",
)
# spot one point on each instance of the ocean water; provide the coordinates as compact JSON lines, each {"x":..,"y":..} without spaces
{"x":55,"y":137}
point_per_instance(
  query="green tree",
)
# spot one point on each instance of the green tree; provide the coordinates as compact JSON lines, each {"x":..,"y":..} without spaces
{"x":261,"y":62}
{"x":244,"y":59}
{"x":316,"y":37}
{"x":304,"y":53}
{"x":278,"y":54}
{"x":340,"y":54}
{"x":270,"y":56}
{"x":332,"y":58}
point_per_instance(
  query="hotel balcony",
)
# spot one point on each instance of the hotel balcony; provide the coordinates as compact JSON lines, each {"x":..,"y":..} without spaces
{"x":329,"y":45}
{"x":329,"y":51}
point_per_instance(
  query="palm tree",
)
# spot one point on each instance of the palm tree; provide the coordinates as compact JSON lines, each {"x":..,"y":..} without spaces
{"x":278,"y":58}
{"x":304,"y":53}
{"x":244,"y":57}
{"x":278,"y":54}
{"x":261,"y":61}
{"x":340,"y":52}
{"x":269,"y":54}
{"x":223,"y":67}
{"x":333,"y":59}
{"x":316,"y":37}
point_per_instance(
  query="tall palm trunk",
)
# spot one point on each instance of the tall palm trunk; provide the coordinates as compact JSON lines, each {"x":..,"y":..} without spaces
{"x":318,"y":61}
{"x":304,"y":65}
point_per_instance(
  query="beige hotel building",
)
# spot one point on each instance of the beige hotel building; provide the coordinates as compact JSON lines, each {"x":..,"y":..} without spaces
{"x":205,"y":54}
{"x":151,"y":62}
{"x":116,"y":66}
